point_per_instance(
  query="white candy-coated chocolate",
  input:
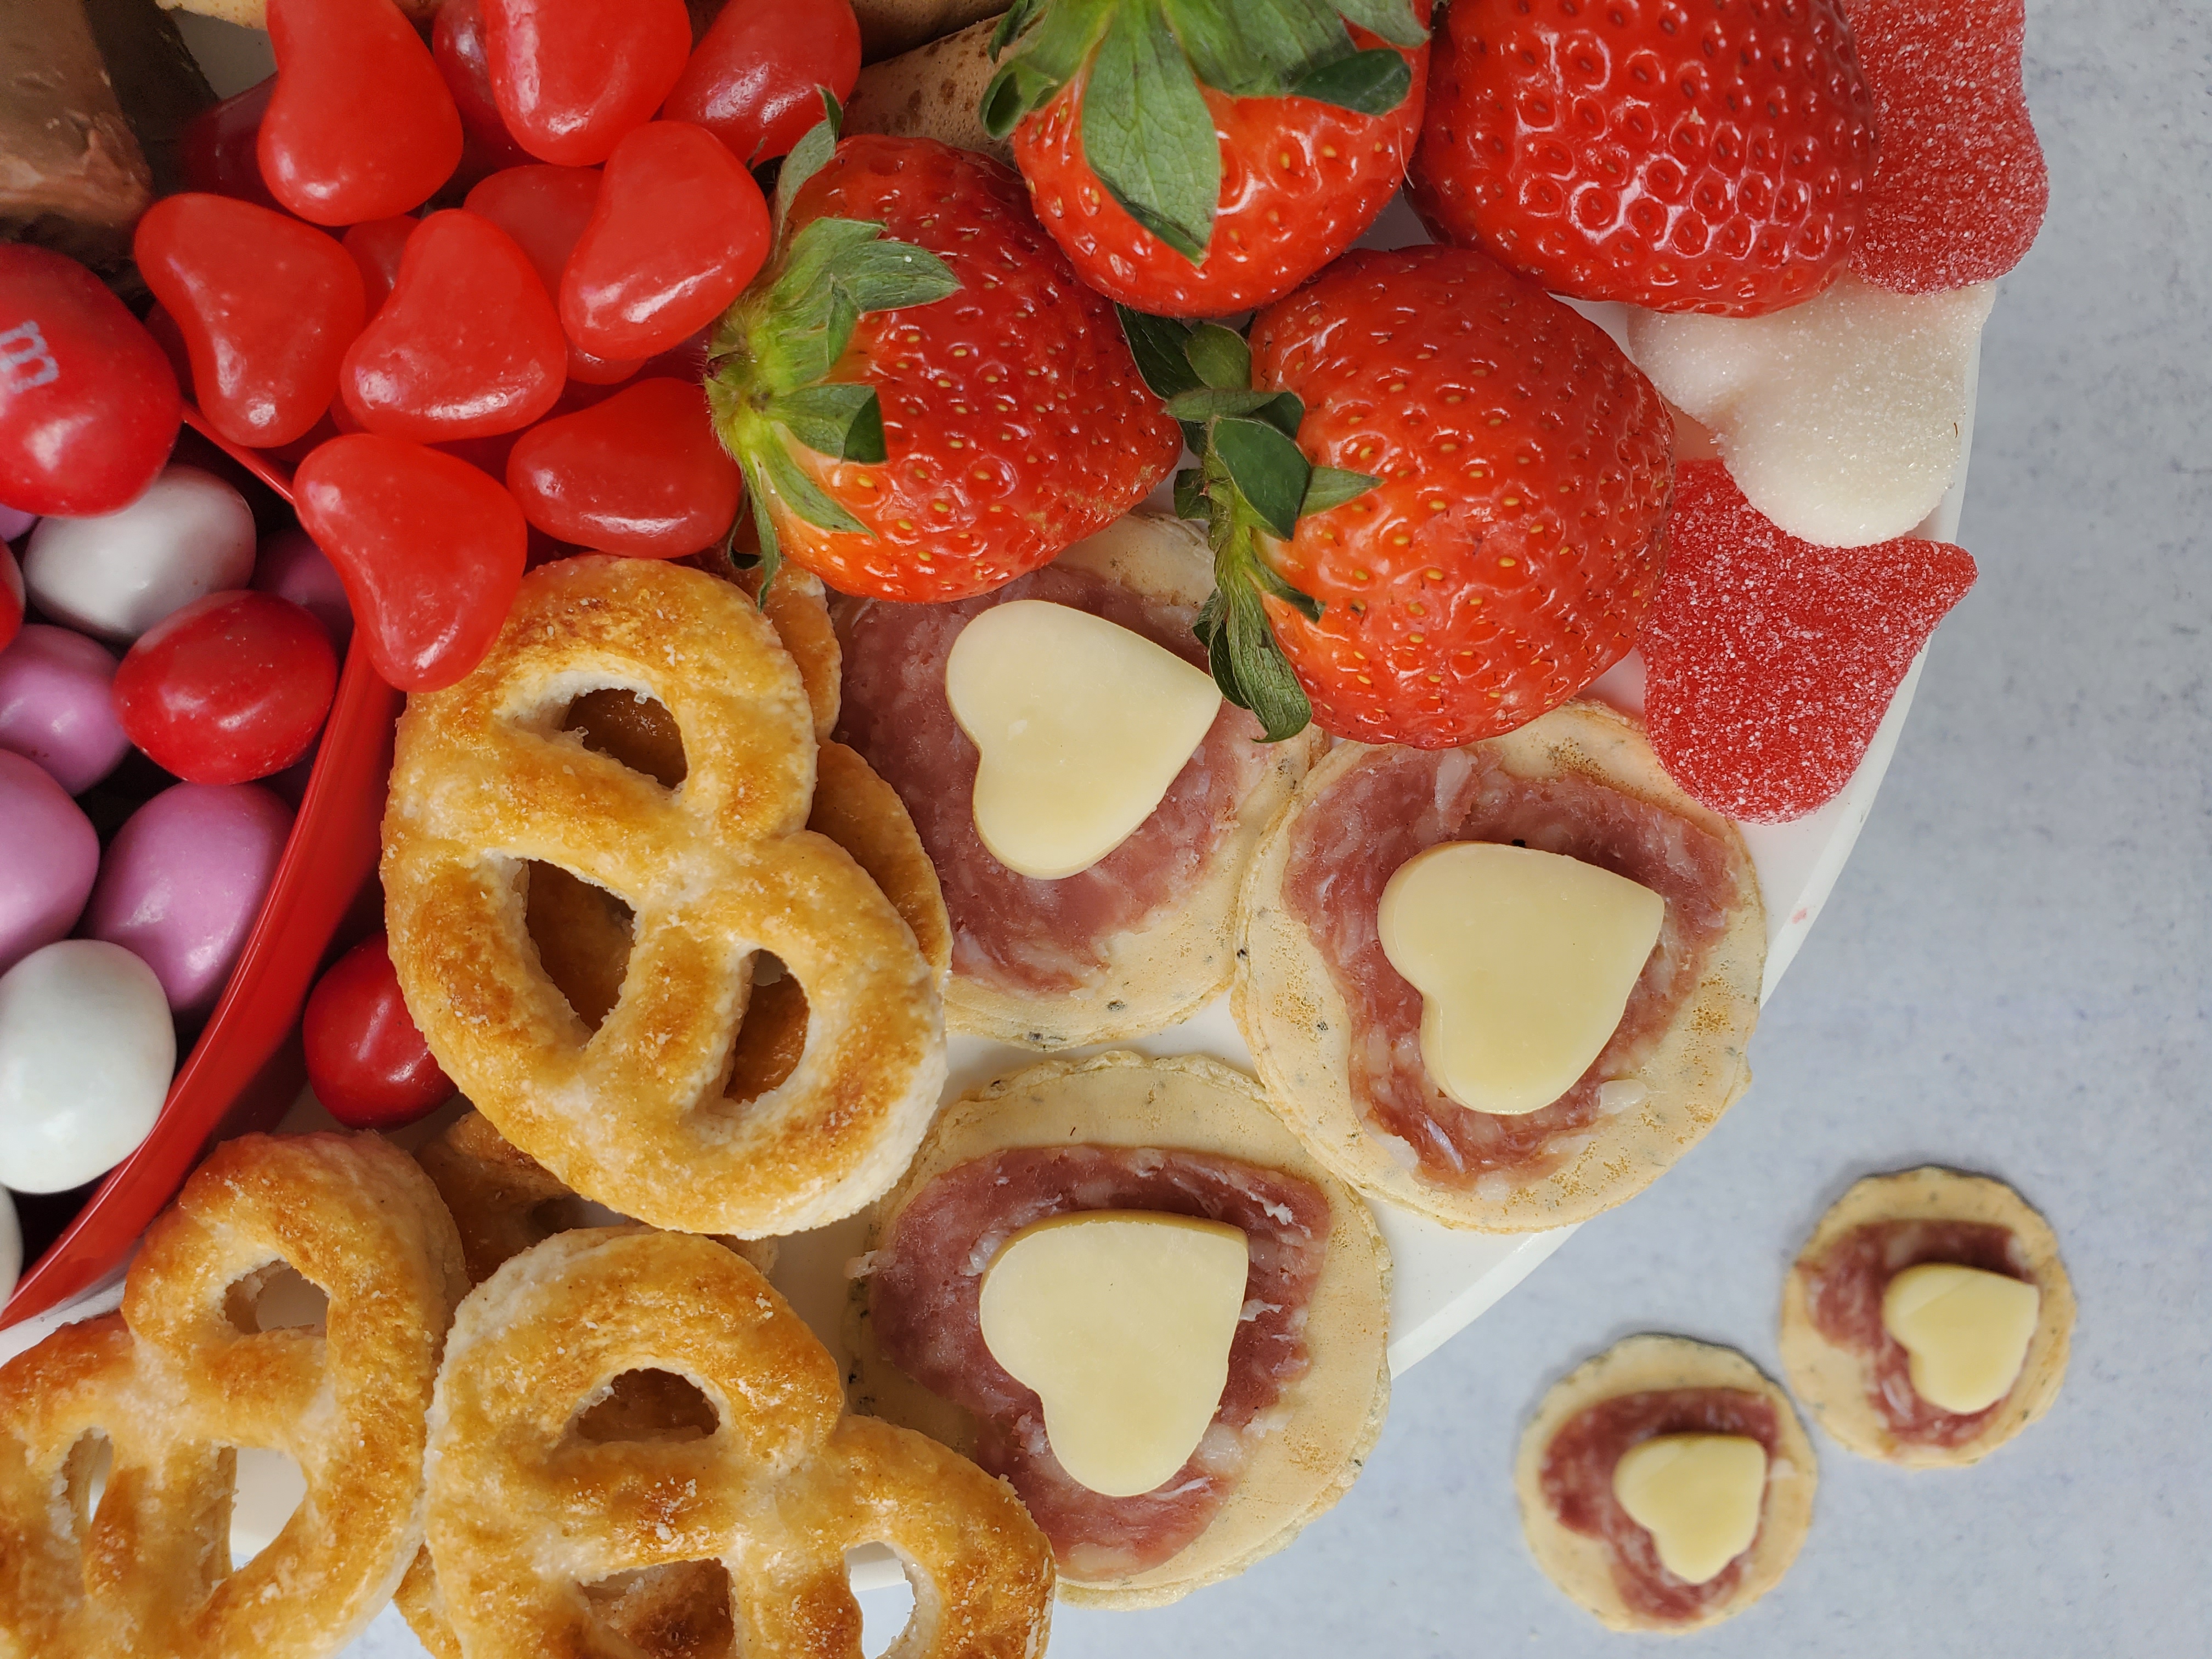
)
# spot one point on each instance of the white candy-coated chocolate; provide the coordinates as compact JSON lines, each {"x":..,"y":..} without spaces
{"x":190,"y":535}
{"x":1080,"y":726}
{"x":1697,"y":1495}
{"x":1966,"y":1332}
{"x":1524,"y":961}
{"x":1840,"y":418}
{"x":1121,"y":1320}
{"x":87,"y":1051}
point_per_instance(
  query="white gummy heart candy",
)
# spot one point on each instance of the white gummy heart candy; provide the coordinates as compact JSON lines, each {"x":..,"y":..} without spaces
{"x":1842,"y":419}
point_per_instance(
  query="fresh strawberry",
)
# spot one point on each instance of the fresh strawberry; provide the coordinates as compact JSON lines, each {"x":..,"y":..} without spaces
{"x":1680,"y":155}
{"x":1469,"y":526}
{"x":1199,"y":157}
{"x":925,"y":402}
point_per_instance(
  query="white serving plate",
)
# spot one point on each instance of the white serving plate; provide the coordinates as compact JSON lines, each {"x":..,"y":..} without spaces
{"x":1443,"y":1280}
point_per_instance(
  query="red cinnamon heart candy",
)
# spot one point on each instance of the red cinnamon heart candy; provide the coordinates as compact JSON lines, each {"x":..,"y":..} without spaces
{"x":680,"y":228}
{"x":468,"y":345}
{"x":360,"y":125}
{"x":429,"y":548}
{"x":266,"y":307}
{"x":1768,"y":661}
{"x":642,"y":474}
{"x":1959,"y":186}
{"x":545,"y":208}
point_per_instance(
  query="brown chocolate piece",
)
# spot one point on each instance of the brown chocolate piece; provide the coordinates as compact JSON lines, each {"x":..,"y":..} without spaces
{"x":72,"y":176}
{"x":156,"y":79}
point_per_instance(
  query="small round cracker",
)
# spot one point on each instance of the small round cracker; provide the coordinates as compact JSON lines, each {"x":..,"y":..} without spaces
{"x":1180,"y":960}
{"x":1287,"y":1005}
{"x":1835,"y":1382}
{"x":1581,"y":1565}
{"x":1332,"y":1415}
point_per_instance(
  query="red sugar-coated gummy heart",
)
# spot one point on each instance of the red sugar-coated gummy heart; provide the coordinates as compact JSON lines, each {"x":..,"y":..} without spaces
{"x":756,"y":77}
{"x":1768,"y":661}
{"x":545,"y":208}
{"x":266,"y":305}
{"x":679,"y":230}
{"x":429,"y":548}
{"x":1959,"y":186}
{"x":572,"y":77}
{"x":467,"y":345}
{"x":361,"y":125}
{"x":642,"y":473}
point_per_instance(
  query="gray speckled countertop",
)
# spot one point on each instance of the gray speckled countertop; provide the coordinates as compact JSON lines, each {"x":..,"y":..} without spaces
{"x":2014,"y":976}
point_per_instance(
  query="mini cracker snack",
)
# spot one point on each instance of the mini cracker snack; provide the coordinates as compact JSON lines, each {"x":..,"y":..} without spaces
{"x":1927,"y":1320}
{"x":537,"y":1519}
{"x":183,"y":1375}
{"x":716,"y":871}
{"x":1120,"y":1284}
{"x":1141,"y":936}
{"x":1504,"y":1094}
{"x":1665,"y":1484}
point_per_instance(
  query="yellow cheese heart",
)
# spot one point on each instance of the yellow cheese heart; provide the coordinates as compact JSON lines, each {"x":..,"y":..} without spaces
{"x":1080,"y":726}
{"x":1697,"y":1495}
{"x":1966,"y":1331}
{"x":1121,"y":1321}
{"x":1524,"y":961}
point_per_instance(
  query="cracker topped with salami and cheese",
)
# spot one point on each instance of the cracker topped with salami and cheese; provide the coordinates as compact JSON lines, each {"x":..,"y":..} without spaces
{"x":1927,"y":1320}
{"x":1665,"y":1484}
{"x":1122,"y":1285}
{"x":1090,"y":861}
{"x":1504,"y":985}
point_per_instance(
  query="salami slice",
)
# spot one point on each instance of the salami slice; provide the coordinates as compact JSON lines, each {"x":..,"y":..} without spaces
{"x":927,"y":1276}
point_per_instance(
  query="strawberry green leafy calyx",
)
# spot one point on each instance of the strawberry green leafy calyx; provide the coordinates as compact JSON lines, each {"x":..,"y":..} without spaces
{"x":1252,"y":485}
{"x":1198,"y":157}
{"x":772,"y":355}
{"x":925,"y":401}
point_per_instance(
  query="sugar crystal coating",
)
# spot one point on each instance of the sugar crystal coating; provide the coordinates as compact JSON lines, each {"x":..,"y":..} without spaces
{"x":1769,"y":661}
{"x":1959,"y":185}
{"x":1842,"y":418}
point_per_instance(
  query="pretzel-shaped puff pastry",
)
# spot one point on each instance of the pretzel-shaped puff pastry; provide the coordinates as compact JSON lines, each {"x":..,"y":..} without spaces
{"x":180,"y":1377}
{"x":527,"y":1513}
{"x":717,"y":869}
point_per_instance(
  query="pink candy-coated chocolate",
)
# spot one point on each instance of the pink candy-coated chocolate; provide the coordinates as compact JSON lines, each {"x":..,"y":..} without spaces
{"x":52,"y":855}
{"x":1769,"y":662}
{"x":293,"y":567}
{"x":55,"y":706}
{"x":183,"y":882}
{"x":14,"y":523}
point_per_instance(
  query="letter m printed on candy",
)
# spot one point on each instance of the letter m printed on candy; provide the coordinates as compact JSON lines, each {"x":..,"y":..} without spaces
{"x":26,"y":361}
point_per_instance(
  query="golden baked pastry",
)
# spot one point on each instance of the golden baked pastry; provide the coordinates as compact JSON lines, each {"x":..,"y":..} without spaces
{"x":637,"y":1113}
{"x":528,"y":1505}
{"x":182,"y":1375}
{"x":1853,"y":1377}
{"x":1137,"y":1112}
{"x":1662,"y":1385}
{"x":1293,"y":1013}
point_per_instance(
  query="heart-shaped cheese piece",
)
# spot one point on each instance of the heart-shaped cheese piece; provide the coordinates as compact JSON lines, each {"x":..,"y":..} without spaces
{"x":1966,"y":1332}
{"x":1840,"y":418}
{"x":1121,"y":1321}
{"x":1080,"y":726}
{"x":1524,"y":961}
{"x":1697,"y":1495}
